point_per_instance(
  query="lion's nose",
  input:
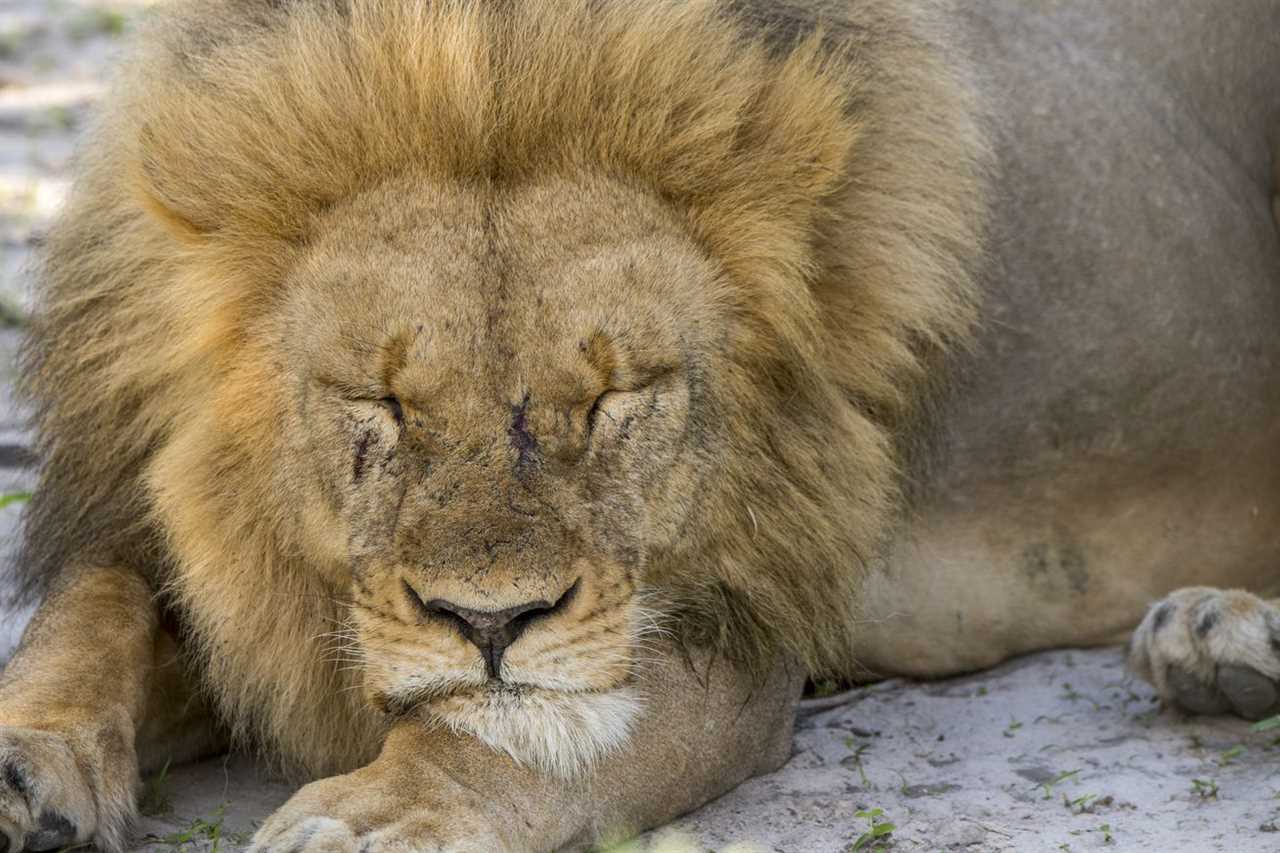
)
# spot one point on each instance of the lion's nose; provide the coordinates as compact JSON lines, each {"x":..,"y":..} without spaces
{"x":493,"y":631}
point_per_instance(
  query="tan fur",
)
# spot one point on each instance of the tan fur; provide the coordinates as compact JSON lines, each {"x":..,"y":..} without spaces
{"x":776,"y":195}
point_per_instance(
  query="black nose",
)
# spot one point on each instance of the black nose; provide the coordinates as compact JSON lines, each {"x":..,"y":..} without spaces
{"x":493,"y":631}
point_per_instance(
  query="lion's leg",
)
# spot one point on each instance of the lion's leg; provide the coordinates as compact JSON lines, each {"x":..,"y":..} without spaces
{"x":71,"y":702}
{"x":704,"y":730}
{"x":1212,"y":651}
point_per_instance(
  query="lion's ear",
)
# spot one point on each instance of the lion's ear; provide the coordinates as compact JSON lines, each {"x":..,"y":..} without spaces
{"x":178,"y":226}
{"x":175,"y":204}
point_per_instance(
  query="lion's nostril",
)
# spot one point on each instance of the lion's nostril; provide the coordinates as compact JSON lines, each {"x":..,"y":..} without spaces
{"x":491,"y":631}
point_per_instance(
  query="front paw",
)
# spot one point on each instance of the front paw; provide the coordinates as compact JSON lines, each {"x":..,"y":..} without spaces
{"x":45,"y":801}
{"x":363,"y":813}
{"x":1211,"y":651}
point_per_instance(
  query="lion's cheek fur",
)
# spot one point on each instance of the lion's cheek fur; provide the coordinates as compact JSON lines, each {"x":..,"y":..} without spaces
{"x":241,"y":588}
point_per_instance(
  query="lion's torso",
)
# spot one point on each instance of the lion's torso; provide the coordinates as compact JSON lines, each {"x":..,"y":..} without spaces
{"x":1117,"y":434}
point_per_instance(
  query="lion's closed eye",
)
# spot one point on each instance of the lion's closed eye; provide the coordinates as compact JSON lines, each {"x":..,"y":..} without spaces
{"x":394,"y":408}
{"x":619,"y":411}
{"x":606,"y":406}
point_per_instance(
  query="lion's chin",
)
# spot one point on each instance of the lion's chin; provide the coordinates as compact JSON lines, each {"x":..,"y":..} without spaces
{"x":553,"y":731}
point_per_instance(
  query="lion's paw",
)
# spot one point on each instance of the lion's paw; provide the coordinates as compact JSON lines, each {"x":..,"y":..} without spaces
{"x":1211,"y":651}
{"x":346,"y":814}
{"x":45,"y":801}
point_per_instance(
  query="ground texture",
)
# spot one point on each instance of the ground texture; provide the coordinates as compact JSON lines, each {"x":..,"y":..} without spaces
{"x":1059,"y":752}
{"x":1055,"y":752}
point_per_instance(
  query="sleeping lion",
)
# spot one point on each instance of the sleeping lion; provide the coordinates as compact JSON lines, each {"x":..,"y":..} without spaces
{"x":494,"y":411}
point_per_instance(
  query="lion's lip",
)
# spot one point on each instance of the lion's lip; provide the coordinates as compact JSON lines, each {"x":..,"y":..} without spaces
{"x":505,"y":688}
{"x":465,"y":691}
{"x":502,"y":690}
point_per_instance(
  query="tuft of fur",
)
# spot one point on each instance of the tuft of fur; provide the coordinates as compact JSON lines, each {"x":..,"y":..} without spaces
{"x":826,"y":155}
{"x":557,"y":733}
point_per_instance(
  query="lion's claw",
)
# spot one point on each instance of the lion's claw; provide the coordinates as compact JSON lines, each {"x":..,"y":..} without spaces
{"x":54,"y":832}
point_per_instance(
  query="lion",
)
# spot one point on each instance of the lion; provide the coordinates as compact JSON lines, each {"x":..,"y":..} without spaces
{"x":492,"y":413}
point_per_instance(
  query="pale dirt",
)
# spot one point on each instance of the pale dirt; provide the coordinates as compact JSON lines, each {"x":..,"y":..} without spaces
{"x":967,"y":763}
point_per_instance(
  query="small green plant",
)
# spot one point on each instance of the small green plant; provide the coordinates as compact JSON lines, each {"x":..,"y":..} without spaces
{"x":1107,"y":838}
{"x":858,"y":750}
{"x":1080,"y":804}
{"x":825,"y":687}
{"x":155,"y":796}
{"x":9,"y":44}
{"x":94,"y":22}
{"x":14,"y":498}
{"x":1268,"y":724}
{"x":1230,"y":755}
{"x":879,"y":834}
{"x":12,"y":315}
{"x":58,"y":119}
{"x":205,"y":834}
{"x":1056,"y":781}
{"x":1013,"y":726}
{"x":1205,"y":789}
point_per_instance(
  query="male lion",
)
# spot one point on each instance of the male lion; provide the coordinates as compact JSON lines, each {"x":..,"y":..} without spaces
{"x":494,"y":410}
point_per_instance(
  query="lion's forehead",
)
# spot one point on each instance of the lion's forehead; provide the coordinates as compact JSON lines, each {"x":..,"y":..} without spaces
{"x":489,"y":290}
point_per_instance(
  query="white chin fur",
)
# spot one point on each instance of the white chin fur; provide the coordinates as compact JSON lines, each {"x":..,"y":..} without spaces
{"x":559,"y":733}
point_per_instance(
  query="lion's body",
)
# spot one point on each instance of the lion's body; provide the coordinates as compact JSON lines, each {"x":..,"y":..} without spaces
{"x":366,"y":315}
{"x":1118,"y":433}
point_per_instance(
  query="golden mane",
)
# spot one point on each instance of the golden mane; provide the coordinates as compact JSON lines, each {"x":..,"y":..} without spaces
{"x":833,"y":172}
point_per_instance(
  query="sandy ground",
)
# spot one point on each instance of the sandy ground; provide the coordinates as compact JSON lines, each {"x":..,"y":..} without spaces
{"x":1056,"y":752}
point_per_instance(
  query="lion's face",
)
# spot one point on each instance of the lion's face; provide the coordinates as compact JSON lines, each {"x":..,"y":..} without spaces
{"x":499,"y":405}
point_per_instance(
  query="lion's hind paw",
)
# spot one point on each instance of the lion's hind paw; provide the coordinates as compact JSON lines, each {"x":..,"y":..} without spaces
{"x":1211,"y":651}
